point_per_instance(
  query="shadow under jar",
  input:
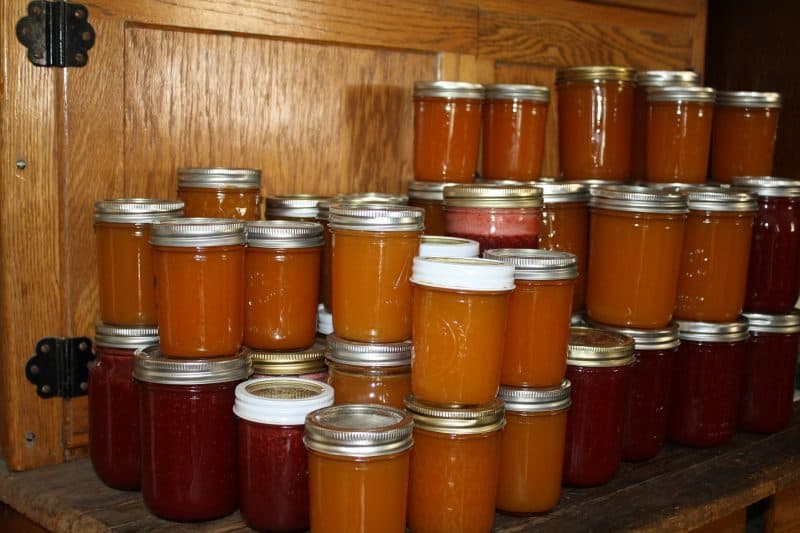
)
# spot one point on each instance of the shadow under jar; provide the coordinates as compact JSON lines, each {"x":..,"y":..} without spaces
{"x":220,"y":192}
{"x":306,"y":364}
{"x":435,"y":246}
{"x":429,"y":195}
{"x":294,"y":207}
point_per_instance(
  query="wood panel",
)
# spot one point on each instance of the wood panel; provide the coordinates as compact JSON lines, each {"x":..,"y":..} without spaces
{"x":733,"y":523}
{"x":783,"y":515}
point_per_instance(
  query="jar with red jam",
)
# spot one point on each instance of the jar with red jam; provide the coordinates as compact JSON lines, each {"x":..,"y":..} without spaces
{"x":114,"y":405}
{"x":220,"y":192}
{"x":435,"y":246}
{"x":273,"y":462}
{"x":306,"y":364}
{"x":188,"y":434}
{"x":707,"y":383}
{"x":429,"y":195}
{"x":296,"y":207}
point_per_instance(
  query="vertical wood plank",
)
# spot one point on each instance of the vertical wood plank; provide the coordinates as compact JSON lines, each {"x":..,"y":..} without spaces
{"x":783,"y":515}
{"x":733,"y":523}
{"x":699,"y":27}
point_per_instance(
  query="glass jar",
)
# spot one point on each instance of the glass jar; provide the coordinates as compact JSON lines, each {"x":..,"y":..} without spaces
{"x":532,"y":454}
{"x":539,"y":313}
{"x":429,"y":195}
{"x":294,"y":207}
{"x":745,"y":127}
{"x":459,"y":322}
{"x":220,"y":192}
{"x":455,"y":465}
{"x":706,"y":383}
{"x":447,"y":130}
{"x":372,"y":248}
{"x":769,"y":371}
{"x":324,"y":323}
{"x":716,"y":252}
{"x":495,"y":215}
{"x":282,"y":284}
{"x":595,"y":121}
{"x":635,"y":246}
{"x":678,"y":133}
{"x":369,"y":372}
{"x":124,"y":265}
{"x":307,"y":364}
{"x":199,"y":285}
{"x":114,"y":405}
{"x":431,"y":246}
{"x":273,"y":462}
{"x":358,"y":463}
{"x":188,"y":434}
{"x":514,"y":121}
{"x":599,"y":368}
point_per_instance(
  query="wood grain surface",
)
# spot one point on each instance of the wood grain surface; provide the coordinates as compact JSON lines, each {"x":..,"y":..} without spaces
{"x":783,"y":515}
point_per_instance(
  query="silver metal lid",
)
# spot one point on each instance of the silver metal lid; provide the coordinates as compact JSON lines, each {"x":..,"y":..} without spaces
{"x":713,"y":331}
{"x":152,"y":366}
{"x":638,"y":199}
{"x":219,"y":178}
{"x":191,"y":232}
{"x":136,"y":210}
{"x":712,"y":198}
{"x":492,"y":195}
{"x":294,"y":205}
{"x":359,"y":430}
{"x":537,"y":265}
{"x":595,"y":73}
{"x":448,"y":89}
{"x":563,"y":192}
{"x":372,"y":217}
{"x":365,"y":198}
{"x":598,"y":348}
{"x":290,"y":362}
{"x":283,"y":234}
{"x":653,"y":78}
{"x":512,"y":91}
{"x":324,"y":207}
{"x":125,"y":338}
{"x":427,"y":190}
{"x":761,"y":323}
{"x":647,"y":339}
{"x":369,"y":354}
{"x":681,"y":94}
{"x":769,"y":186}
{"x":456,"y":419}
{"x":749,"y":99}
{"x":530,"y":400}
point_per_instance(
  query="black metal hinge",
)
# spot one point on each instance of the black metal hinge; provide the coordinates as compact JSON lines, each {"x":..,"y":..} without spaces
{"x":56,"y":34}
{"x":60,"y":366}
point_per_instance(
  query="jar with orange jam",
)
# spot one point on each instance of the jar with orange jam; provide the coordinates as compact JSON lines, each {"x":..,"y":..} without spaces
{"x":358,"y":465}
{"x":372,"y":247}
{"x":220,"y":192}
{"x":539,"y":313}
{"x":282,"y":284}
{"x":532,"y":453}
{"x":447,"y":130}
{"x":595,"y":122}
{"x":429,"y":195}
{"x":635,"y":247}
{"x":455,"y":466}
{"x":435,"y":246}
{"x":514,"y":120}
{"x":296,"y":207}
{"x":124,"y":265}
{"x":199,"y":285}
{"x":306,"y":364}
{"x":459,"y":322}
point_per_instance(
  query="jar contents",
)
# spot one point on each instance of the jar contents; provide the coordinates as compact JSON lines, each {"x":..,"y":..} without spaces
{"x":294,"y":207}
{"x":220,"y":192}
{"x":306,"y":364}
{"x":431,"y":246}
{"x":429,"y":195}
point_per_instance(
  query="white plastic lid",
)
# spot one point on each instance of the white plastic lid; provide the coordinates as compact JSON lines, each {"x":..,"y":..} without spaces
{"x":324,"y":321}
{"x":436,"y":246}
{"x":463,"y":273}
{"x":280,"y":401}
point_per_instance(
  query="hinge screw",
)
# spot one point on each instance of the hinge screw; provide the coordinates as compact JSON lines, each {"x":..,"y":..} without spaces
{"x":45,"y":348}
{"x":46,"y":389}
{"x":22,"y":164}
{"x":83,"y":346}
{"x":79,"y":14}
{"x":30,"y":436}
{"x":35,"y":370}
{"x":37,"y":53}
{"x":84,"y":386}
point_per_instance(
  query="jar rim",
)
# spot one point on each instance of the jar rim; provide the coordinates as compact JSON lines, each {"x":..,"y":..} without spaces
{"x":537,"y":265}
{"x":595,"y":73}
{"x":376,"y":217}
{"x":369,"y":354}
{"x":441,"y":246}
{"x":672,"y":93}
{"x":219,"y":178}
{"x":646,"y":339}
{"x":359,"y":430}
{"x":690,"y":330}
{"x":536,"y":400}
{"x":519,"y":194}
{"x":463,"y":274}
{"x":428,"y":190}
{"x":589,"y":346}
{"x":456,"y":419}
{"x":769,"y":186}
{"x":192,"y":232}
{"x":636,"y":198}
{"x":515,"y":91}
{"x":152,"y":366}
{"x":447,"y":89}
{"x":284,"y":401}
{"x":281,"y":363}
{"x":284,"y":234}
{"x":124,"y":337}
{"x":136,"y":210}
{"x":750,"y":99}
{"x":299,"y":205}
{"x":765,"y":323}
{"x":650,"y":78}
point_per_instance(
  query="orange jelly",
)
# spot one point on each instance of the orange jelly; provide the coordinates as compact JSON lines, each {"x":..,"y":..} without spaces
{"x":429,"y":195}
{"x":221,"y":192}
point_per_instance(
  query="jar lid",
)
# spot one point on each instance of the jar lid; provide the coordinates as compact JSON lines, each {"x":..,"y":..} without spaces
{"x":359,"y":430}
{"x":638,"y":199}
{"x":152,"y":366}
{"x":294,"y":205}
{"x":136,"y":210}
{"x":448,"y":89}
{"x":219,"y":178}
{"x":373,"y":217}
{"x":769,"y":185}
{"x":647,"y":339}
{"x":594,"y":183}
{"x":463,"y":273}
{"x":492,"y":195}
{"x":536,"y":400}
{"x":710,"y":198}
{"x":280,"y":401}
{"x":598,"y":347}
{"x":592,"y":73}
{"x":283,"y":234}
{"x":437,"y":246}
{"x":324,"y":321}
{"x":749,"y":99}
{"x":577,"y":319}
{"x":427,"y":190}
{"x":537,"y":265}
{"x":713,"y":331}
{"x":513,"y":91}
{"x":306,"y":361}
{"x":124,"y":337}
{"x":457,"y":420}
{"x":680,"y":94}
{"x":563,"y":192}
{"x":788,"y":323}
{"x":369,"y":354}
{"x":191,"y":232}
{"x":364,"y":198}
{"x":651,"y":78}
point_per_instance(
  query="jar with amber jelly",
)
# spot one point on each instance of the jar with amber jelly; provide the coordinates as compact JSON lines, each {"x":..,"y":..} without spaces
{"x":435,"y":246}
{"x":429,"y":195}
{"x":294,"y":207}
{"x":358,"y":466}
{"x":455,"y":465}
{"x":124,"y":265}
{"x":221,"y":192}
{"x":307,"y":364}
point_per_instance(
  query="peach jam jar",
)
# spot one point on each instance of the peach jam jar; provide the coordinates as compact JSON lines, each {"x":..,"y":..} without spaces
{"x":745,"y":128}
{"x":307,"y":364}
{"x":358,"y":466}
{"x":455,"y":466}
{"x":595,"y":122}
{"x":220,"y":192}
{"x":282,"y":284}
{"x":459,"y":322}
{"x":514,"y":120}
{"x":635,"y":247}
{"x":532,"y":454}
{"x":199,"y":285}
{"x":447,"y":130}
{"x":372,"y":247}
{"x":124,"y":265}
{"x":435,"y":246}
{"x":539,"y":312}
{"x":295,"y":207}
{"x":429,"y":195}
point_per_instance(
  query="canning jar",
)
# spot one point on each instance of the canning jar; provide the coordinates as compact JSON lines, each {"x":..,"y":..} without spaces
{"x":599,"y":368}
{"x":459,"y":322}
{"x":199,"y":285}
{"x":358,"y":463}
{"x":294,"y":207}
{"x":678,"y":133}
{"x":188,"y":434}
{"x":514,"y":120}
{"x":455,"y":465}
{"x":282,"y":284}
{"x":495,"y":215}
{"x":369,"y":372}
{"x":372,"y":247}
{"x":429,"y":195}
{"x":532,"y":454}
{"x":595,"y":120}
{"x":220,"y":192}
{"x":124,"y":265}
{"x":716,"y":252}
{"x":539,"y":313}
{"x":324,"y":323}
{"x":307,"y":364}
{"x":447,"y":130}
{"x":435,"y":246}
{"x":745,"y":127}
{"x":114,"y":405}
{"x":635,"y":246}
{"x":706,"y":383}
{"x":273,"y":462}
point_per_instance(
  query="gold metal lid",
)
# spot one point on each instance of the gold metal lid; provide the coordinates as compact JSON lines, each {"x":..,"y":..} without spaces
{"x":448,"y":89}
{"x":291,"y":362}
{"x":673,"y":93}
{"x":359,"y":430}
{"x":492,"y":195}
{"x":457,"y":420}
{"x":647,"y":339}
{"x":512,"y":91}
{"x":598,"y":348}
{"x":595,"y":73}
